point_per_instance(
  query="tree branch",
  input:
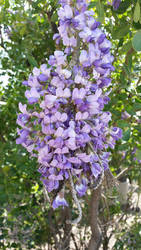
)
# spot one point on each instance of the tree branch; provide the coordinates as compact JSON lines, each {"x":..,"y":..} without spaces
{"x":76,"y":247}
{"x":123,"y":172}
{"x":52,"y":24}
{"x":96,"y":237}
{"x":2,"y":41}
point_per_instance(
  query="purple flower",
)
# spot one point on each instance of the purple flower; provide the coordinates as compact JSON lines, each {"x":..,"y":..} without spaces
{"x":23,"y":136}
{"x":96,"y":169}
{"x":22,"y":108}
{"x":59,"y":201}
{"x":25,"y":83}
{"x":63,"y":93}
{"x":116,"y":4}
{"x":22,"y":119}
{"x":54,"y":177}
{"x":79,"y":93}
{"x":65,"y":13}
{"x":49,"y":101}
{"x":84,"y":157}
{"x":125,"y":115}
{"x":81,"y":116}
{"x":116,"y":133}
{"x":81,"y":188}
{"x":57,"y":38}
{"x":32,"y":95}
{"x":50,"y":184}
{"x":45,"y":70}
{"x":83,"y":56}
{"x":60,"y":57}
{"x":42,"y":78}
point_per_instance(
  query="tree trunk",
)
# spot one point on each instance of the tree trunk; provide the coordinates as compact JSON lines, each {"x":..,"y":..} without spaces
{"x":67,"y":229}
{"x":96,"y":237}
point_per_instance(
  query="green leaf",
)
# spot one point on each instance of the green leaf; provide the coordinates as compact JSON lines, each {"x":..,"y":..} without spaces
{"x":136,"y":15}
{"x":138,"y":154}
{"x":123,"y":146}
{"x":32,"y":61}
{"x":14,"y":244}
{"x":126,"y":69}
{"x":136,"y":42}
{"x":22,"y":30}
{"x":139,"y":89}
{"x":100,"y":11}
{"x":130,"y":62}
{"x":35,"y":188}
{"x":126,"y":135}
{"x":122,"y":124}
{"x":140,"y":19}
{"x":7,"y":4}
{"x":137,"y":26}
{"x":130,"y":110}
{"x":121,"y":31}
{"x":137,"y":106}
{"x":54,"y":17}
{"x":124,"y":5}
{"x":126,"y":47}
{"x":92,"y":5}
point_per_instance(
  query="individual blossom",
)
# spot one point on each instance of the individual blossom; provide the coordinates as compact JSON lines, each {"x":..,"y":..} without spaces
{"x":125,"y":115}
{"x":116,"y":4}
{"x":81,"y":188}
{"x":59,"y":201}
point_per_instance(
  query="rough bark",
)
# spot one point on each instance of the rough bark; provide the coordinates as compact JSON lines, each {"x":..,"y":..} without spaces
{"x":96,"y":236}
{"x":67,"y":229}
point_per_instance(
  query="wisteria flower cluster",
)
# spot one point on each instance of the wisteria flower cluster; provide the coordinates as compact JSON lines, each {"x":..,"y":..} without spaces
{"x":65,"y":126}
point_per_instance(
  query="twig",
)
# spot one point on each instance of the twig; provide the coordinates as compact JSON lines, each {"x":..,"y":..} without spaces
{"x":76,"y":247}
{"x":52,"y":24}
{"x":2,"y":41}
{"x":46,"y":195}
{"x":106,"y":204}
{"x":123,"y":172}
{"x":77,"y":220}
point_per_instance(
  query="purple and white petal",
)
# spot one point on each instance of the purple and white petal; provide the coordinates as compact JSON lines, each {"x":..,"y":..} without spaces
{"x":59,"y":201}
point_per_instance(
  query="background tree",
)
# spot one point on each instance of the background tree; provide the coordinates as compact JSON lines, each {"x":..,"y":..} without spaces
{"x":27,"y":28}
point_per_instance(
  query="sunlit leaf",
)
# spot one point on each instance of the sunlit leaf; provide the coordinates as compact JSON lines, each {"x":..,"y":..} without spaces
{"x":138,"y":154}
{"x":126,"y":135}
{"x":136,"y":42}
{"x":136,"y":15}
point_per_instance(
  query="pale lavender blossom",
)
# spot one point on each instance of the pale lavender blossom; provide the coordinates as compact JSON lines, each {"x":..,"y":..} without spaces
{"x":81,"y":188}
{"x":59,"y":201}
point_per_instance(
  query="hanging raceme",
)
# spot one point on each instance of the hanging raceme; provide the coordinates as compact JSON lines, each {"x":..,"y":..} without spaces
{"x":64,"y":124}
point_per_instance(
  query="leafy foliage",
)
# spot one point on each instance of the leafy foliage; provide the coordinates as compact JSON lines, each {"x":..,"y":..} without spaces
{"x":26,"y":32}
